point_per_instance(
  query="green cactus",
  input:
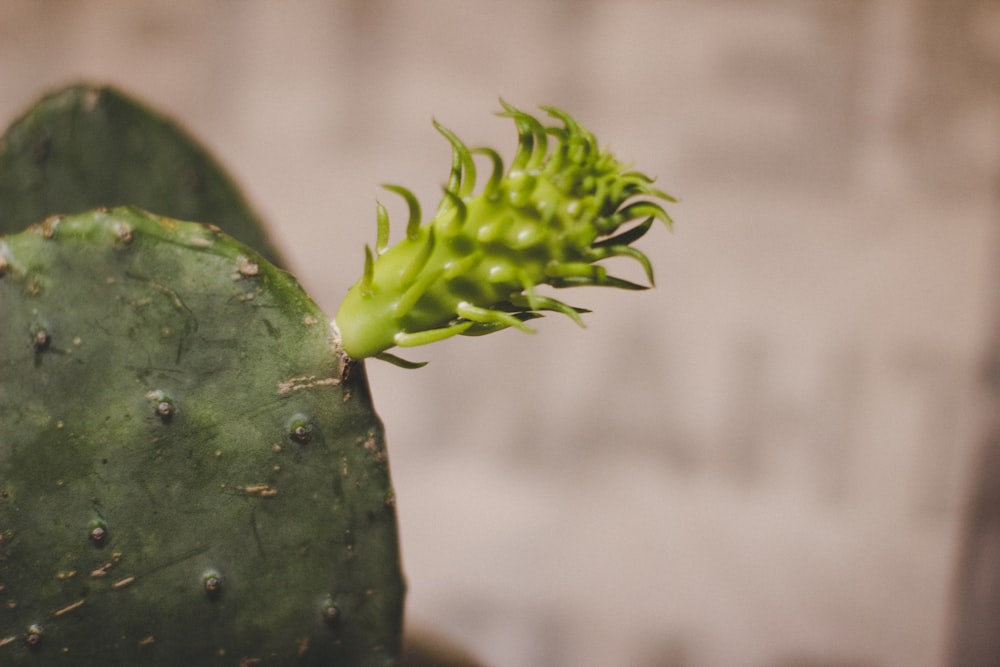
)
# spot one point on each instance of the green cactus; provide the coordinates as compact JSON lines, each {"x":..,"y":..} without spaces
{"x":475,"y":266}
{"x":191,"y":469}
{"x":88,"y":146}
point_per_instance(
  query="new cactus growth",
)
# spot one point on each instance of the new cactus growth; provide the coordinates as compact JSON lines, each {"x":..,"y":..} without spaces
{"x":191,"y":469}
{"x":475,"y":266}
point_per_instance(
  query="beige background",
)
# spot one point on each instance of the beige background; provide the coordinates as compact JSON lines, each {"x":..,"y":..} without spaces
{"x":762,"y":461}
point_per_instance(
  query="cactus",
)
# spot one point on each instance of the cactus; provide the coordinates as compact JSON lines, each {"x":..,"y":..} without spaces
{"x":88,"y":146}
{"x":191,"y":469}
{"x":190,"y":472}
{"x":475,"y":266}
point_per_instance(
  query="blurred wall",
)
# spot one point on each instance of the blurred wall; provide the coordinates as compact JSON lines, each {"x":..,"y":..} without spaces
{"x":761,"y":462}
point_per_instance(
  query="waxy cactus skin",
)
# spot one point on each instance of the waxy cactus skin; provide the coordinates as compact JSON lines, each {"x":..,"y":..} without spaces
{"x":191,"y":473}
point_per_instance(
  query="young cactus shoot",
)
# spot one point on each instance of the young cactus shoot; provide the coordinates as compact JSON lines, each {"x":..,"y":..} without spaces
{"x":562,"y":206}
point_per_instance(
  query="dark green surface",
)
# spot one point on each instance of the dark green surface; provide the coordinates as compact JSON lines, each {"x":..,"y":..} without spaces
{"x":87,"y":146}
{"x":105,"y":315}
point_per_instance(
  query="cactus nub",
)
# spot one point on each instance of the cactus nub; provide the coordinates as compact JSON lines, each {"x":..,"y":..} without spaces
{"x":170,"y":379}
{"x":98,"y":532}
{"x":212,"y":582}
{"x":41,"y":339}
{"x":33,"y":637}
{"x":331,"y":615}
{"x":300,"y":429}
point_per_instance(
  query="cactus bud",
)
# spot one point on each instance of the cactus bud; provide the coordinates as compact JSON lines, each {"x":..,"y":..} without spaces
{"x":475,"y":266}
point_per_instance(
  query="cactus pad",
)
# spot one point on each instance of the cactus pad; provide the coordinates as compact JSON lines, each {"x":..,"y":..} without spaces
{"x":190,"y":470}
{"x":86,"y":146}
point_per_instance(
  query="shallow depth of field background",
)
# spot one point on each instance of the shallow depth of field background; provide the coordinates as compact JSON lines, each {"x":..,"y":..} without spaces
{"x":761,"y":462}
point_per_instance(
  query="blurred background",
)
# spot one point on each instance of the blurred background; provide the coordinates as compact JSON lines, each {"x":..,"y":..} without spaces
{"x":767,"y":460}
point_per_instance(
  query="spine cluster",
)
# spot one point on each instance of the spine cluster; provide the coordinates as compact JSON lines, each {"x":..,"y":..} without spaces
{"x":561,"y":207}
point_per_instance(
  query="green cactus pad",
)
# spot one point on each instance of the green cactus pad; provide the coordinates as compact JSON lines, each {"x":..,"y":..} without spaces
{"x":191,"y":472}
{"x":87,"y":146}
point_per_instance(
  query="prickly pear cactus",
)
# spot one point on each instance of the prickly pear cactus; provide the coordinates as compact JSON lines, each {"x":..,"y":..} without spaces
{"x":87,"y":146}
{"x":190,"y":471}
